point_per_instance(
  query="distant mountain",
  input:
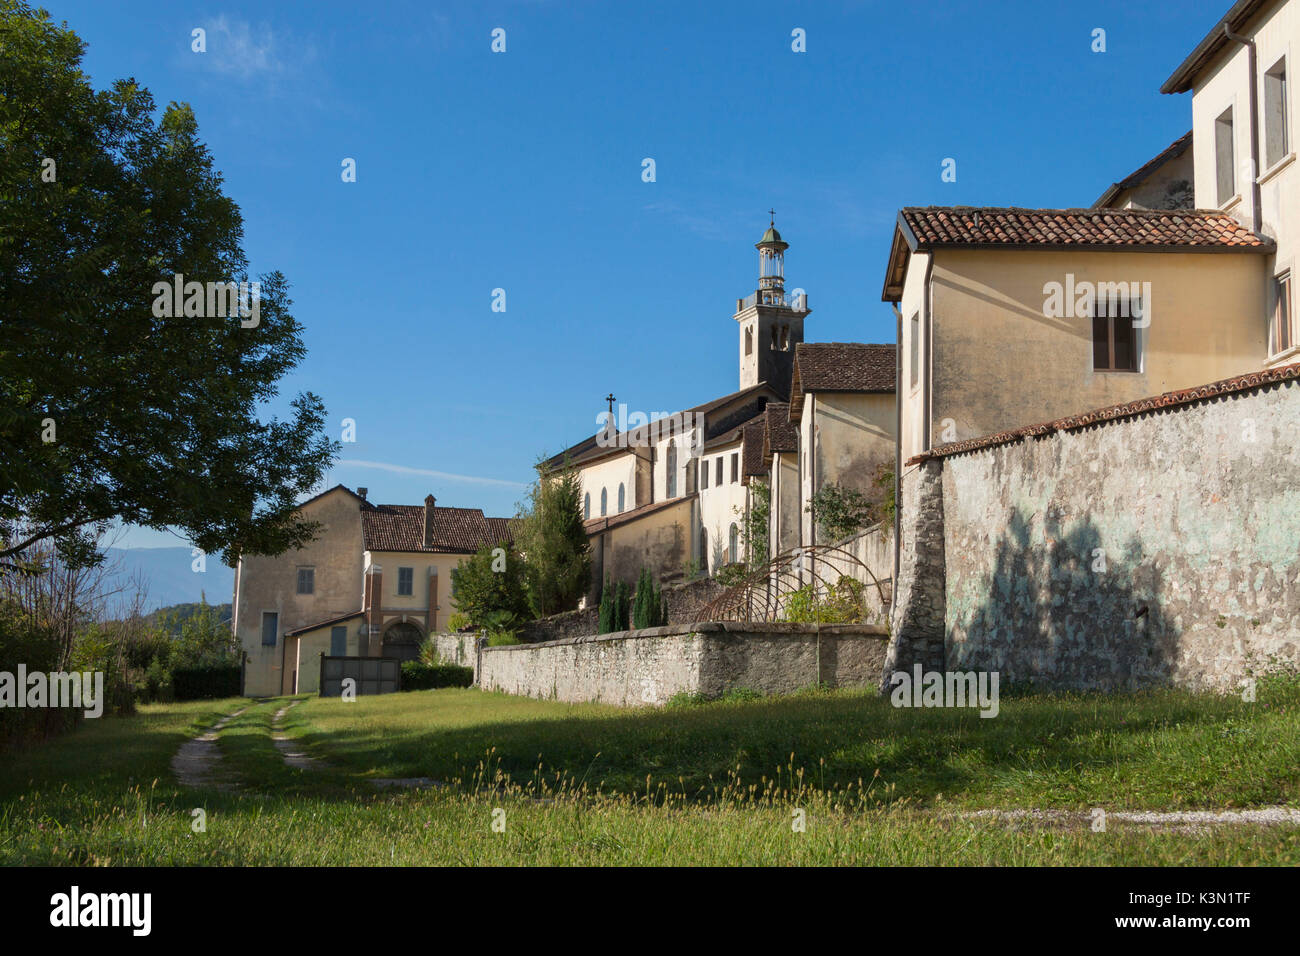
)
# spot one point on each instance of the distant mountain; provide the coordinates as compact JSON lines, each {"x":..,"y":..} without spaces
{"x":169,"y":576}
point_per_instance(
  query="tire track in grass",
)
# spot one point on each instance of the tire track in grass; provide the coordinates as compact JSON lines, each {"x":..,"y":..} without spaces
{"x":198,"y":763}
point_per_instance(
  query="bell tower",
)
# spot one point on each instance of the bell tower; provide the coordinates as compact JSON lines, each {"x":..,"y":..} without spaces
{"x":770,"y":320}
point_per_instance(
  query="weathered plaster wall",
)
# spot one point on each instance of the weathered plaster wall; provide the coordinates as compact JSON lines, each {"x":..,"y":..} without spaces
{"x":269,"y":584}
{"x":998,"y":363}
{"x":853,"y":436}
{"x":459,"y":648}
{"x":632,"y":668}
{"x":1157,"y":549}
{"x":721,"y":504}
{"x":783,"y":523}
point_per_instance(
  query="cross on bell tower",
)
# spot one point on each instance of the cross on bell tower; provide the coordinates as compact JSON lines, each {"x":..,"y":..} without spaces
{"x":771,"y":322}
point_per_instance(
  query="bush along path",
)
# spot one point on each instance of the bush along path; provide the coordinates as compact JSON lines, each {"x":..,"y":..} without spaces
{"x":198,"y":762}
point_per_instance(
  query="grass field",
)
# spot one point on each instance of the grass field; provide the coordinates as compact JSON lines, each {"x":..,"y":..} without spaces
{"x":718,"y":783}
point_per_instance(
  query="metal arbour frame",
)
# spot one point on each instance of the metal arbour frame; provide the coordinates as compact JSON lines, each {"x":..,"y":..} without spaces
{"x":763,"y":594}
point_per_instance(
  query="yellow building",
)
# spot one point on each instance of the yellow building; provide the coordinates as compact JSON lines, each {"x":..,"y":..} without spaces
{"x":374,"y":582}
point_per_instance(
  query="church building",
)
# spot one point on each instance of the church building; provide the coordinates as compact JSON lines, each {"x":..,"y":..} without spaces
{"x":671,"y":494}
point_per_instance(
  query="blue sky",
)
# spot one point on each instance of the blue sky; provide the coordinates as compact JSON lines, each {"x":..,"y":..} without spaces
{"x":522,"y":170}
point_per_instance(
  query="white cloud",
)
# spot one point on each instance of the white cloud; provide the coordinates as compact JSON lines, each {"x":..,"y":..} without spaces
{"x":425,"y":472}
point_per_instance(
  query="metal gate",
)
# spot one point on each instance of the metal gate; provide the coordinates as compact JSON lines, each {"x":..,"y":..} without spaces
{"x":372,"y":675}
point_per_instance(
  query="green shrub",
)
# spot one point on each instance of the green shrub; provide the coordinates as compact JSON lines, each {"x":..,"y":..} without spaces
{"x":207,"y":683}
{"x":614,"y":607}
{"x":842,"y":605}
{"x":503,"y":639}
{"x":418,"y":676}
{"x":731,"y":574}
{"x":650,"y":608}
{"x":459,"y":622}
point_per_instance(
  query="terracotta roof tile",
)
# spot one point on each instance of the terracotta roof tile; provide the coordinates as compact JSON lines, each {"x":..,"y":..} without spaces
{"x":401,"y":528}
{"x":843,"y":367}
{"x":752,"y":454}
{"x":1131,"y":228}
{"x":778,"y":434}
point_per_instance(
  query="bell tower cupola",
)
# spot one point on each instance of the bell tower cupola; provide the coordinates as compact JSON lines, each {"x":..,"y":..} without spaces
{"x":770,"y":320}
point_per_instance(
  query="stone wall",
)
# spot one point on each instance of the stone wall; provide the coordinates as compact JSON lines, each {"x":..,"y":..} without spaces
{"x":650,"y":666}
{"x":458,"y":648}
{"x":1149,"y":546}
{"x":917,"y":614}
{"x":684,"y":604}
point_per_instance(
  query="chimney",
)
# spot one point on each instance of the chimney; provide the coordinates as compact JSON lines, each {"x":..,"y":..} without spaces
{"x":362,"y":493}
{"x":429,"y":502}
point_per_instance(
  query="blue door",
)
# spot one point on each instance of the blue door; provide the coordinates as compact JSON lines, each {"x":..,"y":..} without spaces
{"x":338,"y":642}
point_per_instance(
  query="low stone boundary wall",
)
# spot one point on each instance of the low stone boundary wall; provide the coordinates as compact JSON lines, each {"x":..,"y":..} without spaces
{"x":650,"y":666}
{"x":459,"y":648}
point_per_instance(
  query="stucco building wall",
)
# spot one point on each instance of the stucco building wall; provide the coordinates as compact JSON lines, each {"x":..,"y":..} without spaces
{"x":998,"y":363}
{"x":270,"y":584}
{"x":1226,"y":84}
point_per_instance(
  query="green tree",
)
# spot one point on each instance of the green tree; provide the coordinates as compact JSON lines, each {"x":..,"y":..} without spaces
{"x":488,"y":588}
{"x":549,"y":534}
{"x":107,"y":411}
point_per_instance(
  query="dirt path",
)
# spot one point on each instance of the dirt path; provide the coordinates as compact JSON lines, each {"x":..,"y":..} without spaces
{"x":198,"y":762}
{"x":293,"y":755}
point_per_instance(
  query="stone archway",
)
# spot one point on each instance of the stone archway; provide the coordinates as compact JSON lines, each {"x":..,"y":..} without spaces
{"x":402,"y":640}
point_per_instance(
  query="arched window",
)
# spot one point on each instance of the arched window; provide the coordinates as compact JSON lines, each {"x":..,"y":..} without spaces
{"x":586,"y":506}
{"x":622,"y":501}
{"x":672,"y":469}
{"x":774,"y":335}
{"x":604,"y":501}
{"x":734,"y":554}
{"x":749,"y":341}
{"x":785,"y":338}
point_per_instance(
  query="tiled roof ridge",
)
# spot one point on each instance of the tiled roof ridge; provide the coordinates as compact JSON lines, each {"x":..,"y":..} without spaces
{"x":1098,"y":416}
{"x":1078,"y":211}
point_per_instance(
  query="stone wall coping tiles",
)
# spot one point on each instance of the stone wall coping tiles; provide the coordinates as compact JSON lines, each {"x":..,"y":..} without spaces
{"x":1186,"y":396}
{"x":711,"y":627}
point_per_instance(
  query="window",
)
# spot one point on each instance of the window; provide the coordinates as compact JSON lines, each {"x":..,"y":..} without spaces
{"x":718,"y":474}
{"x":1276,"y":135}
{"x":1114,"y":339}
{"x":622,"y":499}
{"x":586,"y":506}
{"x":749,"y":341}
{"x":306,"y":580}
{"x":270,"y":628}
{"x":1283,"y":333}
{"x":1223,"y":147}
{"x":338,"y":641}
{"x":774,"y":335}
{"x":704,"y":474}
{"x":735,"y":467}
{"x":672,"y":469}
{"x":406,"y":580}
{"x":914,"y":357}
{"x":604,"y":501}
{"x":734,"y":541}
